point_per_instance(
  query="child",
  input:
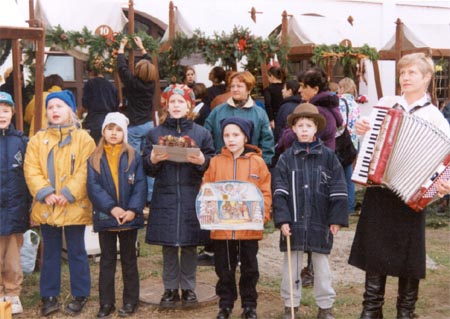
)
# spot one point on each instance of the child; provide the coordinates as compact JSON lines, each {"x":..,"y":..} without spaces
{"x":14,"y":204}
{"x":173,"y":221}
{"x":238,"y":161}
{"x":55,"y":172}
{"x":117,"y":211}
{"x":310,"y":206}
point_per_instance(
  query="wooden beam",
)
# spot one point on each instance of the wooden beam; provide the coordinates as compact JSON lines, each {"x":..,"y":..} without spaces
{"x":376,"y":72}
{"x":39,"y":83}
{"x":284,"y":27}
{"x":131,"y":31}
{"x":11,"y":33}
{"x":306,"y":49}
{"x":171,"y":22}
{"x":18,"y":83}
{"x":398,"y":51}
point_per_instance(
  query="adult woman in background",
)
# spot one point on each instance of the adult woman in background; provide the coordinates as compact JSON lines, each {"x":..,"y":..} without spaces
{"x":189,"y":76}
{"x":390,"y":236}
{"x":348,"y":106}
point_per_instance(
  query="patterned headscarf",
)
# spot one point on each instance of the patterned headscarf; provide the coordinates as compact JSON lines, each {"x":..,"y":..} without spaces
{"x":180,"y":89}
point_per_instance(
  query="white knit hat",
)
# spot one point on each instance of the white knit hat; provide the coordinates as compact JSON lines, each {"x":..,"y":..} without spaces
{"x":118,"y":119}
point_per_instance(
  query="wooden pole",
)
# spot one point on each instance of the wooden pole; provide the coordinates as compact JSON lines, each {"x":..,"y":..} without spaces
{"x":171,"y":22}
{"x":39,"y":83}
{"x":398,"y":51}
{"x":18,"y":83}
{"x":131,"y":31}
{"x":376,"y":71}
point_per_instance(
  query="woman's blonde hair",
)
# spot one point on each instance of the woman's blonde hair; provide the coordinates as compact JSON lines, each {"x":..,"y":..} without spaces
{"x":97,"y":154}
{"x":145,"y":70}
{"x":347,"y":85}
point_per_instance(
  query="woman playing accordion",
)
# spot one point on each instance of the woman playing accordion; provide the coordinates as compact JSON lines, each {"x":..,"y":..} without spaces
{"x":390,"y":236}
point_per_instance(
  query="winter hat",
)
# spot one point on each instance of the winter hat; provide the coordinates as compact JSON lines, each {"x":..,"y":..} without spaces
{"x":245,"y":125}
{"x":307,"y":110}
{"x":118,"y":119}
{"x":6,"y":98}
{"x":66,"y":96}
{"x":181,"y":89}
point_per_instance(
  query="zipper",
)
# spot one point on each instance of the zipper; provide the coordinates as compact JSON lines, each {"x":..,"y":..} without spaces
{"x":72,"y":163}
{"x":233,"y":232}
{"x":178,"y":204}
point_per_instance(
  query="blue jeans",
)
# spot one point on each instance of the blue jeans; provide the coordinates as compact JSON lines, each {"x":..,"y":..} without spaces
{"x":136,"y":138}
{"x":348,"y":171}
{"x":80,"y":277}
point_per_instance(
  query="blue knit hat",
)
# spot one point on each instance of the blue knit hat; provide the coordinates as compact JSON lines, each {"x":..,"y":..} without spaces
{"x":245,"y":125}
{"x":66,"y":96}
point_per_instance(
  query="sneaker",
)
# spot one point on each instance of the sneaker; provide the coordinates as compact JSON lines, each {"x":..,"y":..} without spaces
{"x":325,"y":314}
{"x":205,"y":259}
{"x":16,"y":305}
{"x":76,"y":305}
{"x":49,"y":306}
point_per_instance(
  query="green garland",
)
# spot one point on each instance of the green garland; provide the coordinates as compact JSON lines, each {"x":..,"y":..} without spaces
{"x":347,"y":56}
{"x":102,"y":50}
{"x":229,"y":48}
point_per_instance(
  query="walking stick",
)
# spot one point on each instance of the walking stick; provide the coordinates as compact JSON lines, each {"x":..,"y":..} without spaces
{"x":291,"y":289}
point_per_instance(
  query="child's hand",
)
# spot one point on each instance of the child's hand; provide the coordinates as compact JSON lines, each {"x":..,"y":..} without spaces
{"x":196,"y":159}
{"x":117,"y":212}
{"x":334,"y":229}
{"x":156,"y":157}
{"x":128,"y":216}
{"x":51,"y":199}
{"x":62,"y":200}
{"x":286,"y":230}
{"x":443,"y":188}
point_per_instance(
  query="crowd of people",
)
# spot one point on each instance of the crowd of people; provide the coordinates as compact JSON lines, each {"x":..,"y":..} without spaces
{"x":65,"y":177}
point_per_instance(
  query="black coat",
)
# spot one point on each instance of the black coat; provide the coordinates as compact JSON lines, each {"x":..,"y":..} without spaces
{"x":139,"y":94}
{"x":15,"y":199}
{"x":286,"y":108}
{"x":309,"y":194}
{"x":390,"y":236}
{"x":173,"y":219}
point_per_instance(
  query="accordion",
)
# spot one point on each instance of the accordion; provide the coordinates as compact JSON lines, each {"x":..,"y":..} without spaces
{"x":404,"y":153}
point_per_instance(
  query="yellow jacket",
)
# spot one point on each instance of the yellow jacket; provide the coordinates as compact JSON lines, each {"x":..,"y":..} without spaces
{"x":29,"y":110}
{"x":64,"y":171}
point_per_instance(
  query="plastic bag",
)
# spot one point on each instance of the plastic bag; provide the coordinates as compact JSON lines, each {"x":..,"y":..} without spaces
{"x":28,"y":252}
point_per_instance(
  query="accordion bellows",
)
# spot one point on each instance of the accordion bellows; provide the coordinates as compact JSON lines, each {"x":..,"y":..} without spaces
{"x":404,"y":153}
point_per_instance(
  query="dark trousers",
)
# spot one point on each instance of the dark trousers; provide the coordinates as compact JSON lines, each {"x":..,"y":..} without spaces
{"x":228,"y":253}
{"x":80,"y":277}
{"x":108,"y":261}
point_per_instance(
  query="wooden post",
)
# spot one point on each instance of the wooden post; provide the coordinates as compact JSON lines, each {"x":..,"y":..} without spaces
{"x":284,"y":27}
{"x":39,"y":82}
{"x":131,"y":31}
{"x":376,"y":72}
{"x":398,"y":51}
{"x":157,"y":94}
{"x":17,"y":74}
{"x":171,"y":22}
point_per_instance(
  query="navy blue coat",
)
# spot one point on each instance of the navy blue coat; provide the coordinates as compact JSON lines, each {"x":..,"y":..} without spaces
{"x":287,"y":107}
{"x":173,"y":220}
{"x":132,"y":193}
{"x":310,"y":194}
{"x":15,"y":199}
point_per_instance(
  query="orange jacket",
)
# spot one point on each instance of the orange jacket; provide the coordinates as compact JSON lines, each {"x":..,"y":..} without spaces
{"x":249,"y":167}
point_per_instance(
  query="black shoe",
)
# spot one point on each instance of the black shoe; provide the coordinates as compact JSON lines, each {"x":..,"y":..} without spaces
{"x":127,"y":310}
{"x":249,"y":313}
{"x":205,"y":259}
{"x":105,"y":310}
{"x":224,"y":313}
{"x":76,"y":305}
{"x":188,"y":298}
{"x":49,"y":306}
{"x":169,"y":298}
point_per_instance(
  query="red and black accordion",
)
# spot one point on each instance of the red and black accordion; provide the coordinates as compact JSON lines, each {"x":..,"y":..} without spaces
{"x":406,"y":154}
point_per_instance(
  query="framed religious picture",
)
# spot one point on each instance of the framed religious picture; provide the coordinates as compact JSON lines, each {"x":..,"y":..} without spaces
{"x":230,"y":205}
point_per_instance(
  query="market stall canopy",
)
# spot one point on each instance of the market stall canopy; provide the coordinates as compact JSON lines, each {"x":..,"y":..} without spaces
{"x":414,"y":37}
{"x":10,"y":14}
{"x":310,"y":29}
{"x":74,"y":15}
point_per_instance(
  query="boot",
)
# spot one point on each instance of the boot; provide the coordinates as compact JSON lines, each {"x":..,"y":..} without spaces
{"x":287,"y":313}
{"x":408,"y":291}
{"x":373,"y":297}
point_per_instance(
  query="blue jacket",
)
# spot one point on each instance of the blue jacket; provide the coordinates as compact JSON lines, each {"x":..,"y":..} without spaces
{"x":309,"y":194}
{"x":132,"y":193}
{"x":15,"y":199}
{"x":173,"y":219}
